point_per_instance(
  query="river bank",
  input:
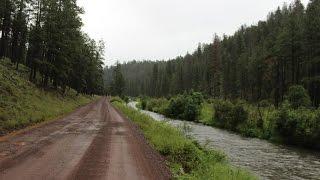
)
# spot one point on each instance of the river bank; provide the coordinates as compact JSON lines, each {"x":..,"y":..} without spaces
{"x":267,"y":160}
{"x":187,"y":159}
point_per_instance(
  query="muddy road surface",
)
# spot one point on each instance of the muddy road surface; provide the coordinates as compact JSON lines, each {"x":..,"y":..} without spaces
{"x":93,"y":142}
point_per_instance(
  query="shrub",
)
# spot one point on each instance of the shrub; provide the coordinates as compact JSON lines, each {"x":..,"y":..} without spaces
{"x":298,"y":126}
{"x":223,"y":113}
{"x":175,"y":108}
{"x":240,"y":114}
{"x":157,"y":105}
{"x":125,"y":98}
{"x":116,"y":99}
{"x":191,"y":109}
{"x":228,"y":115}
{"x":298,"y":97}
{"x":206,"y":114}
{"x":265,"y":103}
{"x":143,"y":103}
{"x":186,"y":106}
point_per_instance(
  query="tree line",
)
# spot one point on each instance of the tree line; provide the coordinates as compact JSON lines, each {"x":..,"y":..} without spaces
{"x":258,"y":62}
{"x":46,"y":36}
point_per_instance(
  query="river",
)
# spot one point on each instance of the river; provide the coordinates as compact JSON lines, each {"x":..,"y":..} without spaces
{"x":265,"y":159}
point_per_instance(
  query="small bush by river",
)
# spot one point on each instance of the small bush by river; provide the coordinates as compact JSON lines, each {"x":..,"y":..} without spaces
{"x":187,"y":159}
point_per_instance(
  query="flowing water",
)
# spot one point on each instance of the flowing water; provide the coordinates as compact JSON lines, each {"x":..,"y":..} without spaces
{"x":266,"y":160}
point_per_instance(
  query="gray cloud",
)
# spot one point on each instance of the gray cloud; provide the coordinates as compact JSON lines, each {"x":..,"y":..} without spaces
{"x":163,"y":29}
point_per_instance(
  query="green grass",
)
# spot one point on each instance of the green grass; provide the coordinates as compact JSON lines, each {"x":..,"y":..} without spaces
{"x":186,"y":158}
{"x":23,"y":104}
{"x":206,"y":113}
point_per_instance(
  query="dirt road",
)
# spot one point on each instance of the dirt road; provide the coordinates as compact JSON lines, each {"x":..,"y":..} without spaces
{"x":94,"y":142}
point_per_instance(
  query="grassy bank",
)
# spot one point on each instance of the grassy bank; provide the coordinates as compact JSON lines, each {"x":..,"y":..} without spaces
{"x":22,"y":103}
{"x":186,"y":158}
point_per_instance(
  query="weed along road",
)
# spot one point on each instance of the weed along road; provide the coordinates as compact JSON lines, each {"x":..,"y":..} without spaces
{"x":94,"y":142}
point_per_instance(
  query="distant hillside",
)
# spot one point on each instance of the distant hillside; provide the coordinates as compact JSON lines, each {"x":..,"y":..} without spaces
{"x":23,"y":104}
{"x":258,"y":62}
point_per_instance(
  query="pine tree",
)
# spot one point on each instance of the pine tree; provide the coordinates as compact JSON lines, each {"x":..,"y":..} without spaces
{"x":154,"y":81}
{"x":19,"y":34}
{"x":118,"y":83}
{"x":312,"y":80}
{"x":216,"y":70}
{"x":6,"y":27}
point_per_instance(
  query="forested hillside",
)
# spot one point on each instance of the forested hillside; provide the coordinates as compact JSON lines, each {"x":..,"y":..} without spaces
{"x":258,"y":62}
{"x":22,"y":103}
{"x":46,"y":36}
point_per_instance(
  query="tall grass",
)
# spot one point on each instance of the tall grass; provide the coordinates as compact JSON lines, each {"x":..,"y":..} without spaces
{"x":187,"y":159}
{"x":206,"y":113}
{"x":23,"y":104}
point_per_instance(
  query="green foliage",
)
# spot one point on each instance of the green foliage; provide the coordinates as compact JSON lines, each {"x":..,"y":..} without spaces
{"x":23,"y":104}
{"x":295,"y":126}
{"x":143,"y":103}
{"x":126,"y":99}
{"x":46,"y":36}
{"x":228,"y":115}
{"x":176,"y":106}
{"x":186,"y":106}
{"x":116,"y":99}
{"x":265,"y":103}
{"x":118,"y":83}
{"x":298,"y":126}
{"x":157,"y":105}
{"x":207,"y":113}
{"x":298,"y":97}
{"x":187,"y":159}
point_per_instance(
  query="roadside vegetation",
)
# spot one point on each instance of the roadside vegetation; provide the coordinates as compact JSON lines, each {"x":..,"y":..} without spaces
{"x":186,"y":158}
{"x":294,"y":122}
{"x":22,"y":103}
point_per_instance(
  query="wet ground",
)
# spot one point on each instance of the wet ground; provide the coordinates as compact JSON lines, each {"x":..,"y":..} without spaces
{"x":267,"y":160}
{"x":94,"y":142}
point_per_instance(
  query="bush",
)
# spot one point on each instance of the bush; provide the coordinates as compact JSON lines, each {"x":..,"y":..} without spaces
{"x":116,"y":99}
{"x":228,"y":115}
{"x":265,"y":103}
{"x":126,"y":99}
{"x":298,"y":97}
{"x":186,"y":106}
{"x":175,"y":108}
{"x":298,"y":126}
{"x":143,"y":103}
{"x":157,"y":105}
{"x":206,"y":114}
{"x":223,"y":113}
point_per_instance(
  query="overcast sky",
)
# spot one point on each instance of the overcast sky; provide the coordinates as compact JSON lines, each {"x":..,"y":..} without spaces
{"x":164,"y":29}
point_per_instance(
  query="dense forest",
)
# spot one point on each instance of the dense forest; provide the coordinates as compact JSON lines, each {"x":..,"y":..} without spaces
{"x":259,"y":62}
{"x":46,"y":36}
